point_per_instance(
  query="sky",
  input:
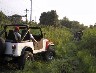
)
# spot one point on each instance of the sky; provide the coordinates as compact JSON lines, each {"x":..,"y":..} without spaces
{"x":83,"y":11}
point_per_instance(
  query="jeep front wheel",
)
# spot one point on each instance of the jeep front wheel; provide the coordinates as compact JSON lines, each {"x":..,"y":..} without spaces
{"x":27,"y":57}
{"x":49,"y":55}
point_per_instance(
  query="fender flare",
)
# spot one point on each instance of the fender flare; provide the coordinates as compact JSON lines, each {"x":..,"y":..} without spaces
{"x":51,"y":43}
{"x":26,"y":48}
{"x":52,"y":49}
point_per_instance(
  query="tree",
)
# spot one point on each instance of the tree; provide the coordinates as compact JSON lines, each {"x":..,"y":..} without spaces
{"x":91,"y":26}
{"x":15,"y":19}
{"x":3,"y":19}
{"x":49,"y":18}
{"x":43,"y":18}
{"x":71,"y":24}
{"x":65,"y":22}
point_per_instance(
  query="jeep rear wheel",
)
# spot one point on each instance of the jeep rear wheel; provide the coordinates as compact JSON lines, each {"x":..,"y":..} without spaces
{"x":27,"y":57}
{"x":2,"y":46}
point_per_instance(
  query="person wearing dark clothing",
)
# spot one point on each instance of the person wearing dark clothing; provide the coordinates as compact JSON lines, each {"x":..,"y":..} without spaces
{"x":78,"y":35}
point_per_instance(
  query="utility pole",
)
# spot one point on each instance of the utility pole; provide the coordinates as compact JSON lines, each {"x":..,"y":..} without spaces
{"x":26,"y":14}
{"x":35,"y":18}
{"x":31,"y":12}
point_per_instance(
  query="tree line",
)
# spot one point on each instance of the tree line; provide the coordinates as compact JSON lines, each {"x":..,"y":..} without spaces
{"x":49,"y":18}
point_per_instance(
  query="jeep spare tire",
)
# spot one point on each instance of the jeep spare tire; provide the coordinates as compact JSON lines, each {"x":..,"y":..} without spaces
{"x":2,"y":46}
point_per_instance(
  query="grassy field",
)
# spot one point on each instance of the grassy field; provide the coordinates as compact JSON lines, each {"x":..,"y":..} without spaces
{"x":71,"y":56}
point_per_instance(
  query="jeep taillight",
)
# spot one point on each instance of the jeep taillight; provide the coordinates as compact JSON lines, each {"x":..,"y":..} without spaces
{"x":13,"y":46}
{"x":47,"y":44}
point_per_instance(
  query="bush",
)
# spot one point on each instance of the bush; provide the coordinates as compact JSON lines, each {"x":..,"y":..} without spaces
{"x":60,"y":36}
{"x":89,"y":41}
{"x":72,"y":56}
{"x":87,"y":51}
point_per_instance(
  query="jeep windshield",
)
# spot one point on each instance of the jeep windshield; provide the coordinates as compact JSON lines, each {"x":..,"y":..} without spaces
{"x":36,"y":32}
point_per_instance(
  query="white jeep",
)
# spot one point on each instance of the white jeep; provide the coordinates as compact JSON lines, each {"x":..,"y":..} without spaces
{"x":24,"y":50}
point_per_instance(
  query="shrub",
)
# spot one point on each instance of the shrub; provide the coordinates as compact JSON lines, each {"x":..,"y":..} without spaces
{"x":89,"y":41}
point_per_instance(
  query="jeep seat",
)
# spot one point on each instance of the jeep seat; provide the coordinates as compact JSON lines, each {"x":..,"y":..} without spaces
{"x":11,"y":36}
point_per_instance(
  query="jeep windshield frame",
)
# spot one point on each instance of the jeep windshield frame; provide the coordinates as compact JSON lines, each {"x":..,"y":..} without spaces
{"x":36,"y":28}
{"x":26,"y":26}
{"x":36,"y":32}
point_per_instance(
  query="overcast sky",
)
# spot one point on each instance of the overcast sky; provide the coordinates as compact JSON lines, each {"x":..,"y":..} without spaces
{"x":83,"y":11}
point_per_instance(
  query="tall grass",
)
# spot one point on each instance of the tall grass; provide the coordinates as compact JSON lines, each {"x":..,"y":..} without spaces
{"x":71,"y":56}
{"x":60,"y":37}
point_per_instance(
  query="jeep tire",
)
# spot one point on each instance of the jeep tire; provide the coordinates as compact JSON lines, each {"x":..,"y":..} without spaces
{"x":49,"y":54}
{"x":2,"y":46}
{"x":27,"y":56}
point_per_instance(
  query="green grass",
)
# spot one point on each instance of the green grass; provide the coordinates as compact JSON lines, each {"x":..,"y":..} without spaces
{"x":71,"y":56}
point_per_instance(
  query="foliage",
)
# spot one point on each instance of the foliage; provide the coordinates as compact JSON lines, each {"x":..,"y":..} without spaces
{"x":62,"y":36}
{"x":49,"y":18}
{"x":71,"y":56}
{"x":65,"y":22}
{"x":3,"y":19}
{"x":73,"y":25}
{"x":89,"y":40}
{"x":15,"y":19}
{"x":87,"y":50}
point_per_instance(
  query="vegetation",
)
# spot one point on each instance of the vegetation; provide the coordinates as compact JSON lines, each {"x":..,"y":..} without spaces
{"x":15,"y":19}
{"x":49,"y":18}
{"x":3,"y":19}
{"x":71,"y":56}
